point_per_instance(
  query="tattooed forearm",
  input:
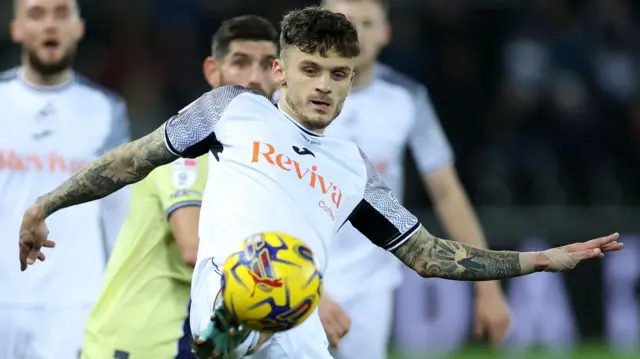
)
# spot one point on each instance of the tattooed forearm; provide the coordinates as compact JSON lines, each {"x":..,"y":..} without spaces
{"x":126,"y":164}
{"x":434,"y":257}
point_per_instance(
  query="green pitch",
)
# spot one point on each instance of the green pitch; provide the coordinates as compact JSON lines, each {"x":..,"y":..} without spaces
{"x":586,"y":351}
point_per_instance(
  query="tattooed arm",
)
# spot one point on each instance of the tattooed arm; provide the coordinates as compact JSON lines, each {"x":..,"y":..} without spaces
{"x":190,"y":134}
{"x":124,"y":165}
{"x":380,"y":217}
{"x":434,"y":257}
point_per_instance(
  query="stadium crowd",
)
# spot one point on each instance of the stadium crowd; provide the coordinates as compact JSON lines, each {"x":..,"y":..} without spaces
{"x":540,"y":100}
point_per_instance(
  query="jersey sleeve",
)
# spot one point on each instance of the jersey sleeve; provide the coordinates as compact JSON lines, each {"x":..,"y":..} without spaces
{"x":379,"y":216}
{"x":191,"y":133}
{"x":428,"y":143}
{"x":180,"y":184}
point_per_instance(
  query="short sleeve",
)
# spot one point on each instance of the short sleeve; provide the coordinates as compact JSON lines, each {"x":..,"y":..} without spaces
{"x":181,"y":183}
{"x":379,"y":216}
{"x":428,"y":143}
{"x":191,"y":133}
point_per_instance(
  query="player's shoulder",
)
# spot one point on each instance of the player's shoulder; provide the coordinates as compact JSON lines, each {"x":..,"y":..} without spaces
{"x":8,"y":78}
{"x":9,"y":75}
{"x":93,"y":88}
{"x":221,"y":97}
{"x":392,"y":76}
{"x":232,"y":91}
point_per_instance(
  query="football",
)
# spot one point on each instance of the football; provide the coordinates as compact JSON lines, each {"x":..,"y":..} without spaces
{"x":271,"y":283}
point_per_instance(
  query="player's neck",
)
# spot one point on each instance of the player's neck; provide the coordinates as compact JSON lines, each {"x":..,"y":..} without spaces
{"x":36,"y":78}
{"x":364,"y":76}
{"x":284,"y":107}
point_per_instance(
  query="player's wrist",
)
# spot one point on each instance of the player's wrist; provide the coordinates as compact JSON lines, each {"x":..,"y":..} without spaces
{"x":36,"y":211}
{"x":487,"y":288}
{"x":531,"y":262}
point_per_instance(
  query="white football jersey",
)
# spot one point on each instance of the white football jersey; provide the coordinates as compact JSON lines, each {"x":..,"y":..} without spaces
{"x":47,"y":134}
{"x":267,"y":173}
{"x":383,"y":118}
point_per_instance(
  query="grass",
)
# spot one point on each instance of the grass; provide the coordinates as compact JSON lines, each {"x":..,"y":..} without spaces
{"x":585,"y":351}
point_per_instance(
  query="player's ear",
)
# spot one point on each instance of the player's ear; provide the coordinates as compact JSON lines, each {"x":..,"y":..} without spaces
{"x":386,"y":33}
{"x":210,"y":68}
{"x":80,"y":29}
{"x":16,"y":31}
{"x":277,"y":70}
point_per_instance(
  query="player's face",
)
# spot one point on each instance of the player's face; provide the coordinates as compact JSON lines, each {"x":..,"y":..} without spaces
{"x":48,"y":31}
{"x":372,"y":25}
{"x":247,"y":63}
{"x":314,"y":87}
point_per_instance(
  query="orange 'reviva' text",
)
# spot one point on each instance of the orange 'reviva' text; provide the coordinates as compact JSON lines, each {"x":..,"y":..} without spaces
{"x":264,"y":152}
{"x":51,"y":162}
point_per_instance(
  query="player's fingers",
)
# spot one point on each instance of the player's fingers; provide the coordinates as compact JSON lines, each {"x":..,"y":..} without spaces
{"x":334,"y":339}
{"x":24,"y":251}
{"x":610,"y":247}
{"x":587,"y":254}
{"x":32,"y":256}
{"x":478,"y":328}
{"x":327,"y":323}
{"x":343,"y":330}
{"x":42,"y":257}
{"x":498,"y":332}
{"x":332,"y":329}
{"x":343,"y":320}
{"x":49,"y":244}
{"x":599,"y":242}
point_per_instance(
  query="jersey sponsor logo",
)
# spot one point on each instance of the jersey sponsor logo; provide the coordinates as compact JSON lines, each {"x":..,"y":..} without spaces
{"x":266,"y":153}
{"x":12,"y":161}
{"x":184,"y":173}
{"x":327,"y":209}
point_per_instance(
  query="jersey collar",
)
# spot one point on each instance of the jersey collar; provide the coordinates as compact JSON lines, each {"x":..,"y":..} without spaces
{"x":305,"y":130}
{"x":54,"y":88}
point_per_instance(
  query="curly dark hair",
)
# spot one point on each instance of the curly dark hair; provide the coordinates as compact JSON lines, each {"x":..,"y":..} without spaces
{"x":316,"y":30}
{"x":246,"y":27}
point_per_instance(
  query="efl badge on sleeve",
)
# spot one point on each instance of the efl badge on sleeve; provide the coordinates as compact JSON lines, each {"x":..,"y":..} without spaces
{"x":184,"y":173}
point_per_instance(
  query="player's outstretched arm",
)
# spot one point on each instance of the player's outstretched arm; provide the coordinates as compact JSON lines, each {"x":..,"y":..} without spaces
{"x":124,"y":165}
{"x":434,"y":257}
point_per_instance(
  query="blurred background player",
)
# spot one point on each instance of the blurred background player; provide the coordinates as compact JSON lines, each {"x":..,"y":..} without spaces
{"x":141,"y":310}
{"x":53,"y":122}
{"x":386,"y":112}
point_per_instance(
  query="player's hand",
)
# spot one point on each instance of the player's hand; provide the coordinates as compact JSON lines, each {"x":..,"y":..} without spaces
{"x":335,"y":321}
{"x":567,"y":257}
{"x":492,"y":316}
{"x":33,"y":236}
